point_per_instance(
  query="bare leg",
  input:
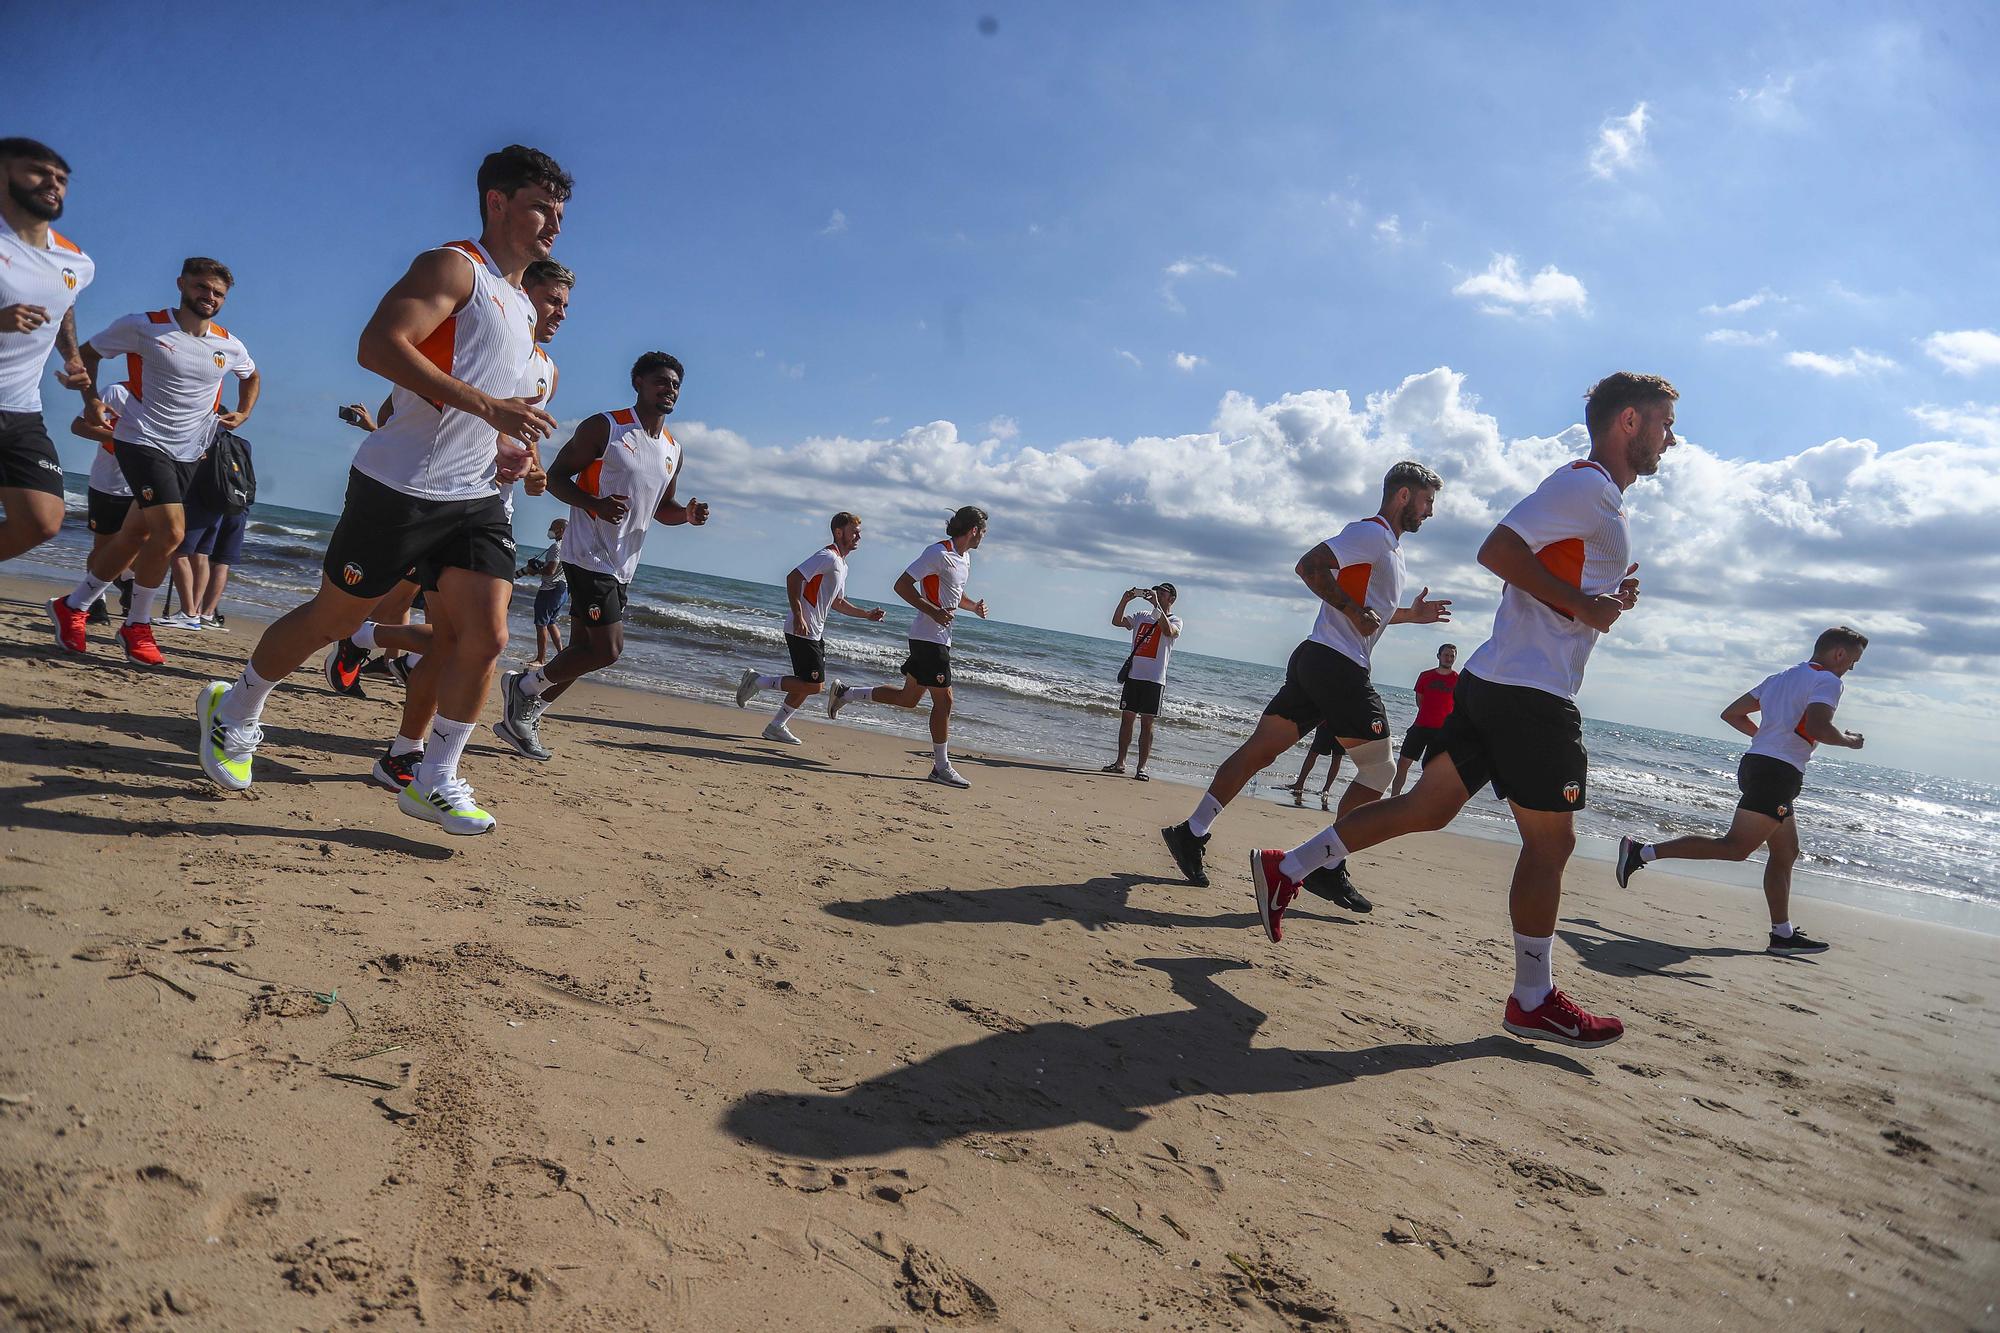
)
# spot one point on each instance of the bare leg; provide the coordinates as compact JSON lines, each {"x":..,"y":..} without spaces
{"x":301,"y":632}
{"x":477,"y":605}
{"x":1431,"y":804}
{"x":1145,"y":743}
{"x":591,"y":648}
{"x":1274,"y":735}
{"x":1548,"y":837}
{"x":1125,"y":737}
{"x":1747,"y":832}
{"x":798,"y":691}
{"x":32,"y":518}
{"x":1784,"y":842}
{"x":940,"y":714}
{"x":187,"y":583}
{"x":1402,"y":775}
{"x":405,"y":638}
{"x":211,"y":596}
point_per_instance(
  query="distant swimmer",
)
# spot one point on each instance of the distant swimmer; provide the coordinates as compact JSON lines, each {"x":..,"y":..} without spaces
{"x":1797,"y":707}
{"x":1143,"y":678}
{"x":455,"y":336}
{"x":1357,"y":574}
{"x":935,"y":585}
{"x":42,"y":272}
{"x":618,"y":473}
{"x":176,"y":361}
{"x":1564,"y":554}
{"x":817,"y":586}
{"x":1434,"y":701}
{"x":108,"y":497}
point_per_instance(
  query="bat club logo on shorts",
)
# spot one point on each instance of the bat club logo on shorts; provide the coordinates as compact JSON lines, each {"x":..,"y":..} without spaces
{"x":1571,"y":791}
{"x":350,"y":573}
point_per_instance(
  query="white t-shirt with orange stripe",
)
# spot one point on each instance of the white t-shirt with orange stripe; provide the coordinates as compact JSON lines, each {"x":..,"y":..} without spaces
{"x":1782,"y":701}
{"x":49,"y":276}
{"x":1152,"y":646}
{"x":105,"y":474}
{"x":1370,"y":555}
{"x":1574,"y":522}
{"x":440,"y":453}
{"x":825,"y":575}
{"x":941,"y":573}
{"x":637,"y":466}
{"x":176,"y":380}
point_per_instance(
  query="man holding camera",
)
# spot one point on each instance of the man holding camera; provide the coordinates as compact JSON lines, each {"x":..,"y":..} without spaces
{"x":1144,"y":675}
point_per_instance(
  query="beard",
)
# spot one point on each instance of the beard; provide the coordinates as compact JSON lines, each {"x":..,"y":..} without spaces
{"x":31,"y":203}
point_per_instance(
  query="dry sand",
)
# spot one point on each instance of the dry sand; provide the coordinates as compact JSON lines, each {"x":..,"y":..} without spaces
{"x":714,"y":1034}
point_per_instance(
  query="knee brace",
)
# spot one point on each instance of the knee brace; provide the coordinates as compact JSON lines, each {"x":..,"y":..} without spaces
{"x":1374,"y":764}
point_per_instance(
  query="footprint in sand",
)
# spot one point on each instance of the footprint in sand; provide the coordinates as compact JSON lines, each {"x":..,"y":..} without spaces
{"x":889,"y":1184}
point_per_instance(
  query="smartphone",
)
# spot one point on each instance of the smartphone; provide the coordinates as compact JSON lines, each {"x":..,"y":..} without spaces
{"x":350,"y":416}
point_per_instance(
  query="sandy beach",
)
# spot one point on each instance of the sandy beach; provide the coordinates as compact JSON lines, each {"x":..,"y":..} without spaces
{"x":718,"y":1034}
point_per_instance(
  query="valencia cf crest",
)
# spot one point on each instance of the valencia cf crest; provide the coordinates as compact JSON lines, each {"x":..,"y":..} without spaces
{"x":69,"y":278}
{"x":1377,"y":726}
{"x":596,"y":611}
{"x":1784,"y":810}
{"x":220,"y":361}
{"x":147,"y":492}
{"x":350,"y":573}
{"x":1572,"y":792}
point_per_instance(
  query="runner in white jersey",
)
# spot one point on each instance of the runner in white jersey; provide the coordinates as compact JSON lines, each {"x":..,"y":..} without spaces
{"x":1797,"y":717}
{"x":41,"y":273}
{"x":815,"y":588}
{"x":548,"y":286}
{"x":1357,"y":574}
{"x":618,"y":473}
{"x":935,"y":585}
{"x":108,"y":500}
{"x":1143,"y":678}
{"x":1564,"y":555}
{"x":176,"y":362}
{"x":454,"y":337}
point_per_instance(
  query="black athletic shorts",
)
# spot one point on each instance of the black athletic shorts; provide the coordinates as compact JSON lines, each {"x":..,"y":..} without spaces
{"x":384,"y":534}
{"x":1141,"y":697}
{"x":1420,"y":743}
{"x":155,"y":476}
{"x":1528,"y":743}
{"x":106,"y":511}
{"x":27,"y":455}
{"x":1325,"y":742}
{"x":1770,"y":786}
{"x":594,"y":598}
{"x":1324,"y":687}
{"x":808,"y":658}
{"x":928,"y":663}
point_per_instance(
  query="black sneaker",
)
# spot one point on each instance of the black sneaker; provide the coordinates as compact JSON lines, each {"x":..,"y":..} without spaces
{"x":99,"y":613}
{"x":1798,"y":942}
{"x":1629,"y":861}
{"x":124,"y":587}
{"x":393,"y":771}
{"x":1333,"y":884}
{"x":342,"y":668}
{"x":399,"y":668}
{"x":1187,"y":850}
{"x":376,"y":666}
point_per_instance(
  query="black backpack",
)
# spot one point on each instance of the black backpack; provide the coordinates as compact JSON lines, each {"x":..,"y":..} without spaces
{"x":226,"y":482}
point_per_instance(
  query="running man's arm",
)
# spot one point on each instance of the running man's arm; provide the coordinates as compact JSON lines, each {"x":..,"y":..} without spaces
{"x":584,"y":448}
{"x":1738,"y":714}
{"x":1426,"y":610}
{"x":906,"y":588}
{"x":71,"y":374}
{"x":1507,"y":554}
{"x":795,"y":593}
{"x":437,"y":286}
{"x":672,"y":511}
{"x":847,"y":608}
{"x":1818,"y":726}
{"x":977,"y":608}
{"x":247,"y":389}
{"x":1319,"y":568}
{"x":100,"y":431}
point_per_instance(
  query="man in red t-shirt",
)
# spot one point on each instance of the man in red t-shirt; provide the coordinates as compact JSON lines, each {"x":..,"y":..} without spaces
{"x":1434,"y":701}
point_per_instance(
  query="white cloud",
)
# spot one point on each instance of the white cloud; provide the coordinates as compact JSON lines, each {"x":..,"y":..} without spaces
{"x":1966,"y":351}
{"x":1003,"y":428}
{"x":880,"y":421}
{"x":1856,"y":362}
{"x":1188,"y":361}
{"x":1972,"y":421}
{"x":835,"y":225}
{"x":1500,"y":290}
{"x":792,"y":371}
{"x":1740,"y":337}
{"x":1126,"y":356}
{"x":1348,"y":209}
{"x":1771,"y":102}
{"x":1390,"y":230}
{"x":1620,"y":140}
{"x":1762,"y":296}
{"x":1193,"y":266}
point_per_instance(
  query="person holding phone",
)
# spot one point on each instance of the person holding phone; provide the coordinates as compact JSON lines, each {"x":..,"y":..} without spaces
{"x":1143,"y":678}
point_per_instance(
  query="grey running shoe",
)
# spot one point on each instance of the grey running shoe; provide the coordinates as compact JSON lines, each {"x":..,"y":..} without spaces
{"x":746,"y":688}
{"x":836,"y":699}
{"x":947,"y":776}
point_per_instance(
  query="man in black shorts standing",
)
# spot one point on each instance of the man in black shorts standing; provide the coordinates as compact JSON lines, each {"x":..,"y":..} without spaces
{"x":814,"y":588}
{"x":935,"y":585}
{"x":1564,"y":555}
{"x":1434,"y":701}
{"x":1797,"y":706}
{"x":1357,"y":574}
{"x":1144,"y":677}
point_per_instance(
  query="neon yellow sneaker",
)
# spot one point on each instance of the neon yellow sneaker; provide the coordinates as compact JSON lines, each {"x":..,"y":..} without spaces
{"x":225,"y":751}
{"x":448,"y":805}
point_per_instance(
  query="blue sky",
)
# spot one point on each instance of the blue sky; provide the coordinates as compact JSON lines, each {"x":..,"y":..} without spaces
{"x":1165,"y":287}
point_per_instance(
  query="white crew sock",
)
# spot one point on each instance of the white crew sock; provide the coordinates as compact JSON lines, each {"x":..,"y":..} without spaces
{"x":1534,"y":974}
{"x":1648,"y":853}
{"x":1783,"y":930}
{"x":365,"y":636}
{"x":410,"y":660}
{"x":142,"y":603}
{"x":534,"y":682}
{"x":784,"y":715}
{"x":243,"y":703}
{"x":941,"y":755}
{"x":86,"y":592}
{"x":1323,"y":849}
{"x":1204,"y":815}
{"x":441,"y":753}
{"x":770,"y":682}
{"x":403,"y":745}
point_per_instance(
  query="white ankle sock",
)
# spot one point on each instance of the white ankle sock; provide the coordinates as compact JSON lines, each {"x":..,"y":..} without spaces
{"x":442,"y":751}
{"x":783,"y":715}
{"x":1648,"y":853}
{"x":243,"y":703}
{"x":86,"y":592}
{"x":769,"y":682}
{"x":365,"y":636}
{"x":1323,"y":849}
{"x":1204,"y":815}
{"x":142,"y":604}
{"x":1783,"y":930}
{"x":403,"y":745}
{"x":1534,"y":973}
{"x":941,"y":755}
{"x":535,"y":682}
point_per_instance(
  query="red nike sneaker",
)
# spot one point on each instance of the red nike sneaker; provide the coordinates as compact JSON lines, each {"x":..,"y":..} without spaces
{"x":69,"y":624}
{"x":1274,"y":892}
{"x":140,"y":646}
{"x":1560,"y":1020}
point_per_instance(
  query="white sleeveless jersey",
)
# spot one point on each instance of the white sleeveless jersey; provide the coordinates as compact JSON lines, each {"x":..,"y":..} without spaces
{"x":637,"y":466}
{"x":440,"y":453}
{"x":538,"y":382}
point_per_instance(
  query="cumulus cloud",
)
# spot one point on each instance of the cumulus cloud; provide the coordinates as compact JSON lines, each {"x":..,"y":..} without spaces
{"x":1389,"y":230}
{"x":835,"y":224}
{"x":1971,"y":421}
{"x":1856,"y":362}
{"x":1003,"y":428}
{"x":1501,"y":290}
{"x":1620,"y":140}
{"x":1188,"y":361}
{"x":1128,"y":358}
{"x":1740,"y":337}
{"x":1965,"y":352}
{"x":1761,"y":296}
{"x":1194,"y":266}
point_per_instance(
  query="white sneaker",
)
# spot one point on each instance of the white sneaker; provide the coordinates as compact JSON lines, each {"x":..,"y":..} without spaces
{"x":449,"y":805}
{"x":778,"y":731}
{"x":948,"y":776}
{"x":746,"y":688}
{"x":225,"y":751}
{"x":181,"y":621}
{"x":836,"y":699}
{"x":214,"y":623}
